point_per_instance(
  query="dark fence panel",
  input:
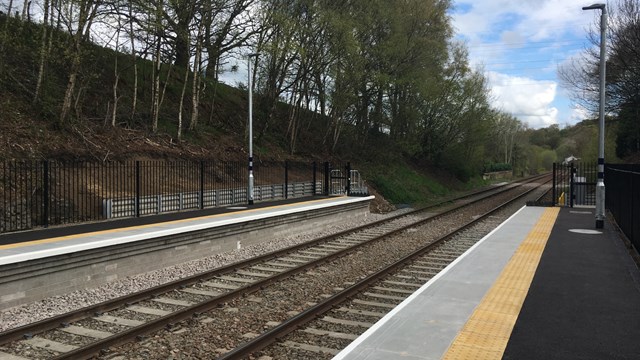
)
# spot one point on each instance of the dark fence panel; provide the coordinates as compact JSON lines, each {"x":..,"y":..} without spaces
{"x":43,"y":193}
{"x":622,"y":184}
{"x":574,"y":184}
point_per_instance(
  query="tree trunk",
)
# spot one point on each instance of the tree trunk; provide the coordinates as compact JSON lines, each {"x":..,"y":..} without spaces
{"x":9,"y":8}
{"x":156,"y":90}
{"x":195,"y":95}
{"x":68,"y":95}
{"x":184,"y":88}
{"x":25,"y":6}
{"x":43,"y":52}
{"x":215,"y":93}
{"x":134,"y":101}
{"x":155,"y":113}
{"x":84,"y":19}
{"x":117,"y":78}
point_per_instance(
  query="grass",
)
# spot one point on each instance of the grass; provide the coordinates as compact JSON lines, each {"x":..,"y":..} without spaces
{"x":402,"y":185}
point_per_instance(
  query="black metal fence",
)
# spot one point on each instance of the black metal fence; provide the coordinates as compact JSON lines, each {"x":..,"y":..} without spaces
{"x":43,"y":193}
{"x":622,"y":184}
{"x":574,"y":184}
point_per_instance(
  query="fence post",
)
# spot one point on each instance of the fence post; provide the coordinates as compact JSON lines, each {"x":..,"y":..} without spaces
{"x":348,"y":178}
{"x":315,"y":168}
{"x":286,"y":179}
{"x":201,"y":184}
{"x":553,"y":186}
{"x":45,"y":193}
{"x":137,"y":202}
{"x":571,"y":179}
{"x":327,"y":171}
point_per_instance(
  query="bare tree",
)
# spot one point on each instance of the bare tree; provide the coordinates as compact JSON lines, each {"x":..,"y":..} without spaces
{"x":195,"y":91}
{"x":581,"y":75}
{"x":180,"y":107}
{"x":86,"y":13}
{"x":134,"y":101}
{"x":43,"y":51}
{"x":116,"y":75}
{"x":155,"y":92}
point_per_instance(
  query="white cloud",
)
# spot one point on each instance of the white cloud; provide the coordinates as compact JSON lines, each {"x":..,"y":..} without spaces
{"x":521,"y":44}
{"x":579,"y":113}
{"x":527,"y":99}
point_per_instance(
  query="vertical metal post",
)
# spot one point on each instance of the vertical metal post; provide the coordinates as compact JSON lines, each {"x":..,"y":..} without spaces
{"x":553,"y":187}
{"x":250,"y":85}
{"x":571,"y":186}
{"x":286,"y":179}
{"x":45,"y":193}
{"x":137,"y":180}
{"x":327,"y":171}
{"x":250,"y":190}
{"x":201,"y":184}
{"x":600,"y":189}
{"x":315,"y":168}
{"x":348,"y":178}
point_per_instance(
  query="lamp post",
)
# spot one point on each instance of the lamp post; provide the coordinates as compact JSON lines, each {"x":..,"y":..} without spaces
{"x":250,"y":84}
{"x":603,"y":63}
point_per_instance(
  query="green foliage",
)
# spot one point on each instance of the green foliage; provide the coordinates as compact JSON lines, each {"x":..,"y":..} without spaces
{"x":402,"y":185}
{"x":497,"y":167}
{"x":628,"y":134}
{"x":548,"y":137}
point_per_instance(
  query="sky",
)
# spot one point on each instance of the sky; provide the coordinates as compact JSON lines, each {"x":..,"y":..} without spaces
{"x":519,"y":46}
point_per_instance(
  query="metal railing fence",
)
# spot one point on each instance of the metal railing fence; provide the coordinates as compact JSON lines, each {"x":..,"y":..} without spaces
{"x":574,"y":184}
{"x":44,"y":193}
{"x":622,"y":186}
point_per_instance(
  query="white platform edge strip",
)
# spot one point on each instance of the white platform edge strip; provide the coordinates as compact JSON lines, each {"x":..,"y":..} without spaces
{"x":341,"y":355}
{"x":205,"y":224}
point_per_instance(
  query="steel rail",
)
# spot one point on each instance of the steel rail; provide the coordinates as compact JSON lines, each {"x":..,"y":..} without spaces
{"x":29,"y":330}
{"x":130,"y":334}
{"x":294,"y":323}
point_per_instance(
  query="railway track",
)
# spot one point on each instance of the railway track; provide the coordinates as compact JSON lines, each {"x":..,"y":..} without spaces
{"x":369,"y":299}
{"x":88,"y":332}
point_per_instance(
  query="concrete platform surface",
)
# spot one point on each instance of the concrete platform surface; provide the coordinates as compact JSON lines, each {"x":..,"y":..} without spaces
{"x":543,"y":285}
{"x":425,"y":324}
{"x":40,"y":244}
{"x":584,"y":302}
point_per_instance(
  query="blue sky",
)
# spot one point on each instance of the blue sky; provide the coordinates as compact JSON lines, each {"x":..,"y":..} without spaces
{"x":519,"y":46}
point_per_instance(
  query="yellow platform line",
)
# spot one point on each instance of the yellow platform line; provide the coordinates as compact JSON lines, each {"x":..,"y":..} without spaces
{"x":487,"y":332}
{"x":137,"y":227}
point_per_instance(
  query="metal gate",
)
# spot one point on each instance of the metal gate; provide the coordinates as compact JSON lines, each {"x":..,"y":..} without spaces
{"x":574,"y":184}
{"x":342,"y":180}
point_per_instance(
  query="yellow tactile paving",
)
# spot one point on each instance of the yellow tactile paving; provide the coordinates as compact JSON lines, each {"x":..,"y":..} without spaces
{"x":487,"y":332}
{"x":137,"y":227}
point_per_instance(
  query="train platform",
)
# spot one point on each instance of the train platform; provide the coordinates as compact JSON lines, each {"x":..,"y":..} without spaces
{"x":48,"y":262}
{"x":17,"y":247}
{"x":545,"y":284}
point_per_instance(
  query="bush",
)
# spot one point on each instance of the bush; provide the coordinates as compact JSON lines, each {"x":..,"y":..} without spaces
{"x":497,"y":167}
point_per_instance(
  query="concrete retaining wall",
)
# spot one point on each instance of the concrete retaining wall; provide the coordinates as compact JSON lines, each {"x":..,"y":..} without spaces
{"x":34,"y":280}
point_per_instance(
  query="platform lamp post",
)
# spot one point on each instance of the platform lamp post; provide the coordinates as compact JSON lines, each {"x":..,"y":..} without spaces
{"x":250,"y":84}
{"x":603,"y":64}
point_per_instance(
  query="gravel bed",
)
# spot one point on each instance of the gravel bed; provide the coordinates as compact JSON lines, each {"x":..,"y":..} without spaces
{"x":291,"y":296}
{"x":28,"y":351}
{"x":28,"y":313}
{"x":91,"y":323}
{"x":66,"y":338}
